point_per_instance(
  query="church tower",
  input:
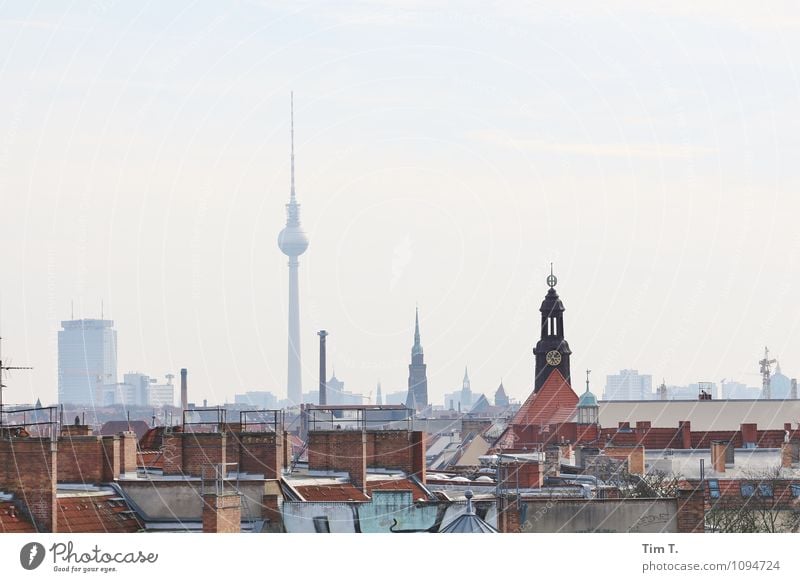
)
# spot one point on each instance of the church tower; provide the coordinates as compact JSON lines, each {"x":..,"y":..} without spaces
{"x":417,"y":398}
{"x":552,"y":350}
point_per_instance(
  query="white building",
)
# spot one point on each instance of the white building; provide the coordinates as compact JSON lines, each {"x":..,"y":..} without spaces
{"x":629,"y":385}
{"x":87,"y":360}
{"x":161,"y":395}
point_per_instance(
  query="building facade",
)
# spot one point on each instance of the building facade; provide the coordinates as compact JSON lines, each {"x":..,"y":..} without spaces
{"x":87,"y":360}
{"x":629,"y":385}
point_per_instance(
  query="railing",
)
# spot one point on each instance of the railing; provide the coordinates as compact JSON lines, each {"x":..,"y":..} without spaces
{"x":36,"y":422}
{"x":207,"y":419}
{"x":261,"y":421}
{"x":362,"y":418}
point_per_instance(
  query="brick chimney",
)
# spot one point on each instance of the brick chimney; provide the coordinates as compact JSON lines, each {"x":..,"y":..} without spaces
{"x":718,"y":452}
{"x":339,"y":450}
{"x":222,"y":513}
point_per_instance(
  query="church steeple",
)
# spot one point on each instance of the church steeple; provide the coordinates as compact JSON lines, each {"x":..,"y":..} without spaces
{"x":552,"y":351}
{"x":417,"y":348}
{"x":417,"y":398}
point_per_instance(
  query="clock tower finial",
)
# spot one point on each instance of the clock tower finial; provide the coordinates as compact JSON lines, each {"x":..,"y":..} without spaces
{"x":552,"y":351}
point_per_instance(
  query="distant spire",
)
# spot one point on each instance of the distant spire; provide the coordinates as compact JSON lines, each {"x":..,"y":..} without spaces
{"x":466,"y":376}
{"x":587,"y":379}
{"x":293,"y":208}
{"x":417,"y":349}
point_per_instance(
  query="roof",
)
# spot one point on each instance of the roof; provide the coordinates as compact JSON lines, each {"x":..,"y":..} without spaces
{"x":103,"y":513}
{"x":554,"y":403}
{"x":113,"y":427}
{"x":403,"y":484}
{"x":468,"y":522}
{"x":331,"y":492}
{"x":586,"y":400}
{"x":12,"y":521}
{"x":705,"y":415}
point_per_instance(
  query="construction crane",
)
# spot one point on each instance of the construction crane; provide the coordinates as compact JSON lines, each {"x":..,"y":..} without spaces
{"x":766,"y":389}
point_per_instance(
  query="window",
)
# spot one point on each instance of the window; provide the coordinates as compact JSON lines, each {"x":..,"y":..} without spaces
{"x":765,"y":490}
{"x":795,"y":490}
{"x":321,"y":525}
{"x":747,"y":489}
{"x":713,"y":488}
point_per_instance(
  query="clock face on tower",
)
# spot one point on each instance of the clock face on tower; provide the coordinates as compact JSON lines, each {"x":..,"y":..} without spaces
{"x":553,"y":357}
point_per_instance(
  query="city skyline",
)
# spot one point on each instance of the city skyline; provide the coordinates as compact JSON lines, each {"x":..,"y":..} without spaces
{"x":445,"y":174}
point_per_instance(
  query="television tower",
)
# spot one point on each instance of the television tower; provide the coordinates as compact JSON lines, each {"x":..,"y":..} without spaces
{"x":293,"y":242}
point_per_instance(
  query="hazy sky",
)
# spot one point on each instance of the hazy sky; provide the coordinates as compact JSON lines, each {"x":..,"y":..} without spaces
{"x":444,"y":158}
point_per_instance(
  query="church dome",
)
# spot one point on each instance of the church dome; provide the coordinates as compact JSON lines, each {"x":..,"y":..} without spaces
{"x":586,"y":400}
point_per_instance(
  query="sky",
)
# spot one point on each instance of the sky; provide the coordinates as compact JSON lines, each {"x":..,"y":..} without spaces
{"x":445,"y":157}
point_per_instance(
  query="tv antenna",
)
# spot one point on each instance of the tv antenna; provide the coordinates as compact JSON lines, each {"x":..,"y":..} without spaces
{"x":3,"y":370}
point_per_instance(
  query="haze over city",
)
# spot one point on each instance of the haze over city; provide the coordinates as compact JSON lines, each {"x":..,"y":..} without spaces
{"x":444,"y":159}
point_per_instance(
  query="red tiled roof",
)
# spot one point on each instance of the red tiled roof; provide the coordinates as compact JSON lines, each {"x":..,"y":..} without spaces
{"x":150,"y":459}
{"x":397,"y":485}
{"x":11,"y":521}
{"x":96,"y":514}
{"x":554,"y":403}
{"x":338,"y":492}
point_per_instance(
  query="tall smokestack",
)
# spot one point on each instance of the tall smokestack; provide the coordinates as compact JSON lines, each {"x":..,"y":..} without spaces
{"x":323,"y":396}
{"x":184,"y":390}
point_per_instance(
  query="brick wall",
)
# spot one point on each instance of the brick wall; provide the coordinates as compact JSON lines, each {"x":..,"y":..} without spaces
{"x":75,"y":430}
{"x":222,"y":513}
{"x":80,"y":459}
{"x":390,"y":449}
{"x":786,"y":455}
{"x":691,"y":510}
{"x":201,"y":451}
{"x":28,"y":469}
{"x":271,"y":512}
{"x":127,"y":452}
{"x":508,"y":514}
{"x":418,"y":449}
{"x":634,"y":455}
{"x":111,"y":458}
{"x":172,"y":454}
{"x":261,"y":452}
{"x":342,"y":450}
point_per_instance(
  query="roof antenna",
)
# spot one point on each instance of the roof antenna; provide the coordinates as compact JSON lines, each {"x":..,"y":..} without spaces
{"x":292,"y":131}
{"x":3,"y":370}
{"x":101,"y":309}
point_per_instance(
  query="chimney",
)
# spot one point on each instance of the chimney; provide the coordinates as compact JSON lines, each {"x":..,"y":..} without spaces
{"x":323,"y":399}
{"x":222,"y":512}
{"x":184,"y":390}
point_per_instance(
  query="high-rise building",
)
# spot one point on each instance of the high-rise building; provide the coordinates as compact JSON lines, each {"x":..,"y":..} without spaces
{"x":630,"y":385}
{"x":87,"y":360}
{"x":293,"y":242}
{"x":417,"y":397}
